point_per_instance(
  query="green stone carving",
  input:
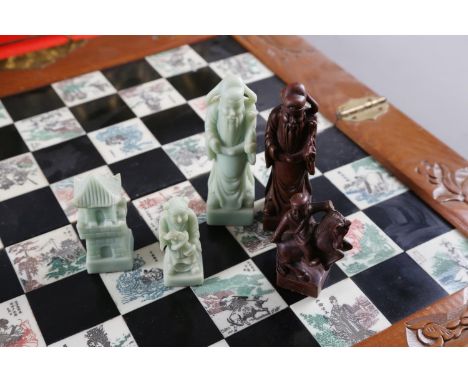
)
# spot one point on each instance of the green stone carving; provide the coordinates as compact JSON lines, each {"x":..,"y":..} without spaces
{"x":179,"y":237}
{"x":102,"y":211}
{"x":231,"y":143}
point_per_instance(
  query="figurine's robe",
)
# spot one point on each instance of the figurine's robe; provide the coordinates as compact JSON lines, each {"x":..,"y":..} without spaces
{"x":289,"y":174}
{"x":231,"y":181}
{"x":176,"y":258}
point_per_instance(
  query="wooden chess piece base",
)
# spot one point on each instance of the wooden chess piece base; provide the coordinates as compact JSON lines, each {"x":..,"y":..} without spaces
{"x":316,"y":275}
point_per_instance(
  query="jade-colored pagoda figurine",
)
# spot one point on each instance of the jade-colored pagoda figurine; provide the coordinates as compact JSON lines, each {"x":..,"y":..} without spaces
{"x":179,"y":237}
{"x":102,"y":211}
{"x":231,"y":143}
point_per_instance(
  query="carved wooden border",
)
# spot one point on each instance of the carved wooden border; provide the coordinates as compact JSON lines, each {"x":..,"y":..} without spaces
{"x":395,"y":335}
{"x":98,"y":53}
{"x":394,"y":140}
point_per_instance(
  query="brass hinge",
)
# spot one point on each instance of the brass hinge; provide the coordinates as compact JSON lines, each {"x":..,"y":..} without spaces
{"x":362,"y":109}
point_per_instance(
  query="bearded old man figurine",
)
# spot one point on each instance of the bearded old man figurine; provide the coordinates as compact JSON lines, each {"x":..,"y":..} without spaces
{"x":231,"y":144}
{"x":307,"y":249}
{"x":289,"y":150}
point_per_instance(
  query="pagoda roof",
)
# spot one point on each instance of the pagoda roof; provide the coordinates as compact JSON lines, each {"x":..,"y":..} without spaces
{"x":97,"y":191}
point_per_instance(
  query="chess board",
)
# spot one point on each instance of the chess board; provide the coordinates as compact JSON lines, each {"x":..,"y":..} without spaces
{"x":145,"y":120}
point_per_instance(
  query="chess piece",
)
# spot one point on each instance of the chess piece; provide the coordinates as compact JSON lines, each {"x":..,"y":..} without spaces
{"x":102,"y":211}
{"x":179,"y":237}
{"x":231,"y":143}
{"x":289,"y":150}
{"x":306,"y":249}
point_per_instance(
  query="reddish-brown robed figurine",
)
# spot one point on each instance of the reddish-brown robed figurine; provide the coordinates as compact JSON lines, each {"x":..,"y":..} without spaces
{"x":289,"y":150}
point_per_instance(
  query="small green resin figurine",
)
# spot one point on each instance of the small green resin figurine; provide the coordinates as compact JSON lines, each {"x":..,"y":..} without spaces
{"x":180,"y":238}
{"x":231,"y":143}
{"x":102,"y":212}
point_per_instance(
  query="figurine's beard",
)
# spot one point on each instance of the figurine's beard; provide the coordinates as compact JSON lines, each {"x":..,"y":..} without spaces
{"x":230,"y":130}
{"x":232,"y":122}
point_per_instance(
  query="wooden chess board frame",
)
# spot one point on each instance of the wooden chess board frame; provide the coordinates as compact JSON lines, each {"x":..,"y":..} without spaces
{"x":396,"y":141}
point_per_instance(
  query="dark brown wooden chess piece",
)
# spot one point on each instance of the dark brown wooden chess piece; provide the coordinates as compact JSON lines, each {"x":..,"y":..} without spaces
{"x":306,"y":249}
{"x":289,"y":150}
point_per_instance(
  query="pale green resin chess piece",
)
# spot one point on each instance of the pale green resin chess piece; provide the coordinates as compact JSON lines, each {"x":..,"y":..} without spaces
{"x":179,"y":236}
{"x":231,"y":143}
{"x":102,"y":212}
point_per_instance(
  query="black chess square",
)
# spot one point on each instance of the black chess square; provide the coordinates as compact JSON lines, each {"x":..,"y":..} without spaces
{"x":398,"y":287}
{"x":38,"y":101}
{"x":175,"y":320}
{"x":218,"y":48}
{"x":200,"y":183}
{"x":142,"y":234}
{"x":102,"y":112}
{"x":195,"y":84}
{"x":259,"y":190}
{"x":29,"y":215}
{"x":11,"y":286}
{"x":131,"y":74}
{"x":266,"y":262}
{"x":147,"y":173}
{"x":12,"y":143}
{"x":174,"y":124}
{"x":268,"y":92}
{"x":260,"y":132}
{"x":68,"y":158}
{"x":407,"y":220}
{"x":220,"y":250}
{"x":68,"y":306}
{"x":334,"y":149}
{"x":323,"y":189}
{"x":281,"y":329}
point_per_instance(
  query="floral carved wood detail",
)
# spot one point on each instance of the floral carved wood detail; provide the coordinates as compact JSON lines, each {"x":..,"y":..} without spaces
{"x":449,"y":185}
{"x":449,"y":329}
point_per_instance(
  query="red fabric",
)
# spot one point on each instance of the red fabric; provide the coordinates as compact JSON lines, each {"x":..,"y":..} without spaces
{"x":11,"y":46}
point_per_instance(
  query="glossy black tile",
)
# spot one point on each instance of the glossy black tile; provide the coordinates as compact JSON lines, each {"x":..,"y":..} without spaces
{"x":195,"y":84}
{"x":334,"y":149}
{"x":29,"y":215}
{"x":80,"y":302}
{"x":10,"y":286}
{"x":175,"y":320}
{"x":131,"y":74}
{"x":142,"y":234}
{"x":268,"y":92}
{"x":174,"y":124}
{"x":260,"y":132}
{"x":218,"y":48}
{"x":259,"y":190}
{"x":220,"y":250}
{"x":102,"y":112}
{"x":323,"y":189}
{"x":25,"y":105}
{"x":407,"y":220}
{"x":147,"y":173}
{"x":281,"y":329}
{"x":12,"y":143}
{"x":68,"y":159}
{"x":200,"y":183}
{"x":398,"y":287}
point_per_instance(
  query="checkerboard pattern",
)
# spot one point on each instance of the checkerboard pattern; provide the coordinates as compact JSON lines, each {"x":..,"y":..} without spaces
{"x":144,"y":120}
